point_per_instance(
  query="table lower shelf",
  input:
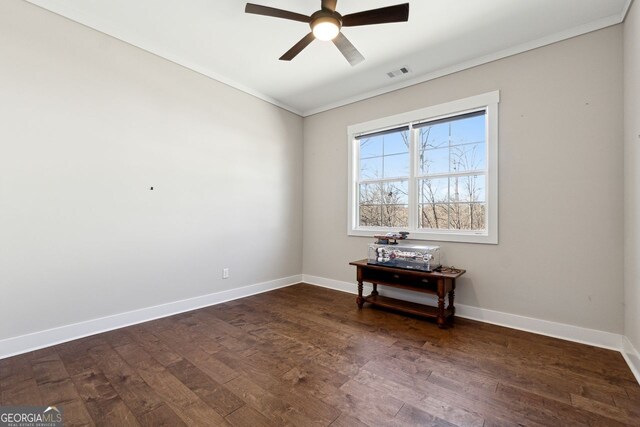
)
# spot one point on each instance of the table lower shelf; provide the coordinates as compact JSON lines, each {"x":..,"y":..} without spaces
{"x":405,"y":306}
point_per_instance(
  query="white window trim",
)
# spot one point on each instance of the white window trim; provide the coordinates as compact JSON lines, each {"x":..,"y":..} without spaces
{"x":489,"y":102}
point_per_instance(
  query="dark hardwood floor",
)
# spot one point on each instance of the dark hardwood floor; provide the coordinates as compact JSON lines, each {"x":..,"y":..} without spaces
{"x":304,"y":355}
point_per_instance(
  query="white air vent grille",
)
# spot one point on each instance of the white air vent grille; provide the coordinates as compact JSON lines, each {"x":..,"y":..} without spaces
{"x":399,"y":72}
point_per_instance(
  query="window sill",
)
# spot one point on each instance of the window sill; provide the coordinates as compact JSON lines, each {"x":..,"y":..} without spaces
{"x":441,"y":236}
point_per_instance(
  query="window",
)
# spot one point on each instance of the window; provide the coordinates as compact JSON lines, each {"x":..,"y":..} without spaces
{"x":432,"y":172}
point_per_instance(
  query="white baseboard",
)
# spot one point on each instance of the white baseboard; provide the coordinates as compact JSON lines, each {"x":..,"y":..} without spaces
{"x":632,"y":356}
{"x":537,"y":326}
{"x":37,"y":340}
{"x":563,"y":331}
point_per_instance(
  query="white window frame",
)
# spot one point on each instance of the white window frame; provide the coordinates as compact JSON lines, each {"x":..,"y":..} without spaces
{"x":488,"y":102}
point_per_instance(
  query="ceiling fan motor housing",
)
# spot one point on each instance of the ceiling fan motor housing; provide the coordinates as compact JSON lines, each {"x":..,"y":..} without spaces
{"x":325,"y":15}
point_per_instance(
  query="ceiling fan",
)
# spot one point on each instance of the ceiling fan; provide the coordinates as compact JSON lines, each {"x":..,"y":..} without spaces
{"x":326,"y":24}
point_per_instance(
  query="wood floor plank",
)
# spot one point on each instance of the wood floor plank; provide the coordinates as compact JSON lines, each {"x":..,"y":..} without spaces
{"x":78,"y":362}
{"x":601,"y":409}
{"x":315,"y":373}
{"x":345,"y":420}
{"x":633,"y":392}
{"x":248,"y":417}
{"x":305,"y":355}
{"x":228,"y":336}
{"x":161,"y":416}
{"x":216,"y":395}
{"x":154,"y":345}
{"x":76,"y":414}
{"x":49,"y":369}
{"x":380,"y":406}
{"x":18,"y":383}
{"x":264,"y":402}
{"x":22,"y":392}
{"x":58,"y":392}
{"x":131,"y":388}
{"x":56,"y":387}
{"x":102,"y":401}
{"x":411,"y":416}
{"x":549,"y":411}
{"x":632,"y":406}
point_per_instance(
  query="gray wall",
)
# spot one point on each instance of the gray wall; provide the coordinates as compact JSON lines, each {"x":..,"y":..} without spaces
{"x":632,"y":173}
{"x":88,"y":125}
{"x":560,"y":255}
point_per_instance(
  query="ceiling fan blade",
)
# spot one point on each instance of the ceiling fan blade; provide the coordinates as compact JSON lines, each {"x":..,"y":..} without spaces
{"x":329,"y":5}
{"x":297,"y":48}
{"x":384,"y":15}
{"x":348,"y":50}
{"x":257,"y":9}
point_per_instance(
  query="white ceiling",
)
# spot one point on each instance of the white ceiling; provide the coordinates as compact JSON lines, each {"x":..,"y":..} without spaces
{"x":216,"y":38}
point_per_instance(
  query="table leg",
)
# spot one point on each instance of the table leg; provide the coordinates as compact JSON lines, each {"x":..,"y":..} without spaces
{"x":375,"y":289}
{"x":441,"y":314}
{"x":452,"y":295}
{"x":359,"y":299}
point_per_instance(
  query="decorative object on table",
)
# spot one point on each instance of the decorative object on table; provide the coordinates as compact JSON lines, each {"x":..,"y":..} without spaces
{"x":391,"y":238}
{"x":411,"y":257}
{"x":449,"y":270}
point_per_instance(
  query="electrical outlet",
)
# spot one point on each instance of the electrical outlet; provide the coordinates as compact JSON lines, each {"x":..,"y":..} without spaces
{"x":225,"y":273}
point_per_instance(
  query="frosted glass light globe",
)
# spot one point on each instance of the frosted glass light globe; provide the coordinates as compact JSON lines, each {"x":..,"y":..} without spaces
{"x":325,"y":30}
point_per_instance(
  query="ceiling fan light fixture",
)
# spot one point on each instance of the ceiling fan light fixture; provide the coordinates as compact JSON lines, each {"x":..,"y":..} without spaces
{"x":325,"y":28}
{"x":326,"y":24}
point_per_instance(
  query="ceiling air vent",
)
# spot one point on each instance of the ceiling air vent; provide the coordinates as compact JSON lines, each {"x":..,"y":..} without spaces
{"x":399,"y":72}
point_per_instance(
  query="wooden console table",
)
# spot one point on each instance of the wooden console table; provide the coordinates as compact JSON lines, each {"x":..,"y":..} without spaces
{"x":435,"y":283}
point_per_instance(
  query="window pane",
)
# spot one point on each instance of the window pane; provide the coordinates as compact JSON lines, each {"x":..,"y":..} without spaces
{"x":371,"y":168}
{"x":456,"y":203}
{"x":370,"y":215}
{"x":384,"y":204}
{"x":468,"y":157}
{"x":395,"y":215}
{"x":468,"y":216}
{"x":433,"y":190}
{"x":371,"y":194}
{"x":468,"y":130}
{"x":370,"y":147}
{"x":396,"y":143}
{"x":459,"y":216}
{"x":434,"y":216}
{"x":455,"y":146}
{"x":384,"y":156}
{"x":468,"y":189}
{"x":479,"y":216}
{"x":436,"y":136}
{"x":396,"y":193}
{"x":396,"y":165}
{"x":434,"y":161}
